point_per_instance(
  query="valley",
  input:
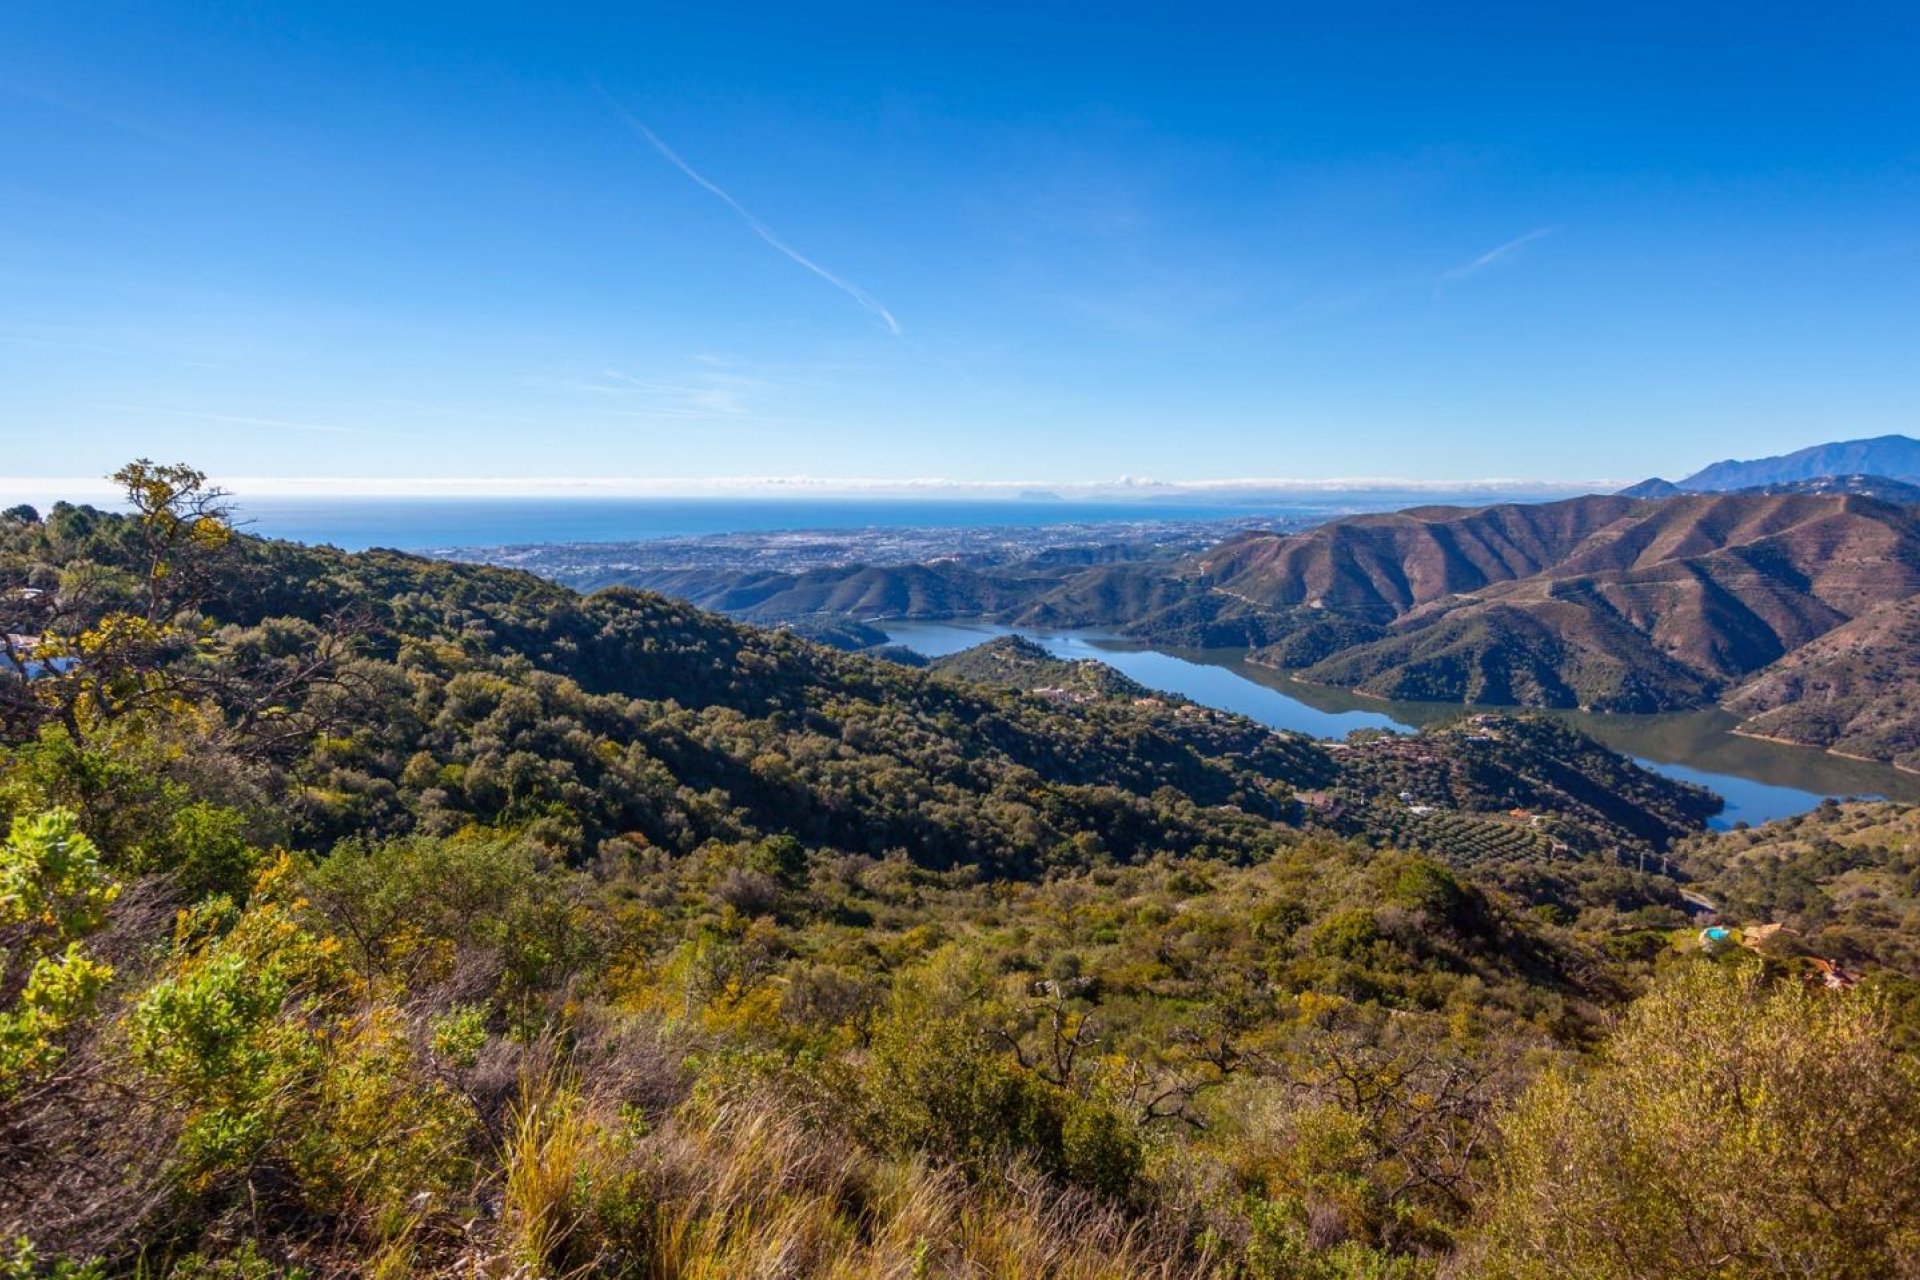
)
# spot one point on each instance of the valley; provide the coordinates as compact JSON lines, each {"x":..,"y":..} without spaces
{"x":1759,"y":780}
{"x":959,"y":642}
{"x":381,"y":879}
{"x":1791,"y":611}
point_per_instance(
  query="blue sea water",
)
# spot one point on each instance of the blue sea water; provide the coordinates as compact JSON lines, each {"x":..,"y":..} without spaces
{"x":421,"y":524}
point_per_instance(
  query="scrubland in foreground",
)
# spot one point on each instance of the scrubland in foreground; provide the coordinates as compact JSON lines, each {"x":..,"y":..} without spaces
{"x":365,"y":915}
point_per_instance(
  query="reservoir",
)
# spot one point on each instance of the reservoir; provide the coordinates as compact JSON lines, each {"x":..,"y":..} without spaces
{"x":1759,"y":781}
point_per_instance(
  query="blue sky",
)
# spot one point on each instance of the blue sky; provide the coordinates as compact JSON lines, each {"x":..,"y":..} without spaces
{"x":408,"y":242}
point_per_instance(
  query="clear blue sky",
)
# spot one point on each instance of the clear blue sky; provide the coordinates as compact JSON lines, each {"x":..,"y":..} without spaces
{"x":1179,"y":241}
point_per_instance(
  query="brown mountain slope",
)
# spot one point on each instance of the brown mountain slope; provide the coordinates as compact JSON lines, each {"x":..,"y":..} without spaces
{"x":1546,"y":653}
{"x":1854,"y":690}
{"x":1784,"y":604}
{"x":1643,"y":606}
{"x":1383,"y":565}
{"x":1846,"y":549}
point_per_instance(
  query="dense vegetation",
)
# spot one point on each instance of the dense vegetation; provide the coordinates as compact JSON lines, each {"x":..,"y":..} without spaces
{"x":1843,"y":882}
{"x":370,"y":915}
{"x":1792,"y":608}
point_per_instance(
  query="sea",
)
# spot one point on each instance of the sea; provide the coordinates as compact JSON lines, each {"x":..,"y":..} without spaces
{"x":418,"y":524}
{"x":430,"y":523}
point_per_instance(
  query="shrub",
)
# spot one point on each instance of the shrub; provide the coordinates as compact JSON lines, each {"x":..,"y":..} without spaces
{"x":256,"y":1033}
{"x":53,"y":893}
{"x":1734,"y":1127}
{"x":943,"y":1087}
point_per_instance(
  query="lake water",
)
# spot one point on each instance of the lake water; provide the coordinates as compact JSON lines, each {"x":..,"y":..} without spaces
{"x":1759,"y":781}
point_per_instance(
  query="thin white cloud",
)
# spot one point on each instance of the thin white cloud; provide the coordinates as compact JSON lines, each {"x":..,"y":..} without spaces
{"x":866,"y":300}
{"x":323,"y":428}
{"x":707,"y":392}
{"x":66,"y":103}
{"x":64,"y":344}
{"x":713,"y":393}
{"x":1454,"y":275}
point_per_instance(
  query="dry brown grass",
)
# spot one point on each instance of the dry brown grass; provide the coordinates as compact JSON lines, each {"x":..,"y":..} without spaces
{"x":554,"y":1150}
{"x":746,"y":1190}
{"x":754,"y":1196}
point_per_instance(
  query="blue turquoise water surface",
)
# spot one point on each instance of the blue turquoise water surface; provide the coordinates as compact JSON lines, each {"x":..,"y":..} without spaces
{"x":1759,"y":781}
{"x":431,"y":524}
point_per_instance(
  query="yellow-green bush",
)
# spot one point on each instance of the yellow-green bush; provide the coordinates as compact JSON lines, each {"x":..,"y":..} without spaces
{"x":1732,"y":1127}
{"x":275,"y":1058}
{"x":53,"y":892}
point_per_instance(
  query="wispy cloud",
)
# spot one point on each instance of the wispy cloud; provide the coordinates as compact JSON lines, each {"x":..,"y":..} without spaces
{"x":63,"y":344}
{"x":711,"y":389}
{"x":64,"y":102}
{"x":234,"y":419}
{"x":1499,"y":253}
{"x":717,"y":394}
{"x":866,"y":300}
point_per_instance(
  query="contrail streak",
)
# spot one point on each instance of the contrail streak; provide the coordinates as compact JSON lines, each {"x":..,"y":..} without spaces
{"x":866,"y":300}
{"x":1491,"y":256}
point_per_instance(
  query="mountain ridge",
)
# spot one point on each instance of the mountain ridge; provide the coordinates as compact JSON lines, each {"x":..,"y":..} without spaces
{"x":1895,"y":456}
{"x":1891,"y":460}
{"x":1607,"y":602}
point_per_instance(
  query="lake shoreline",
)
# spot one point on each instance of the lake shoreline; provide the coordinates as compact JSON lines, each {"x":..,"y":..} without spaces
{"x":1760,"y":781}
{"x":1736,"y":731}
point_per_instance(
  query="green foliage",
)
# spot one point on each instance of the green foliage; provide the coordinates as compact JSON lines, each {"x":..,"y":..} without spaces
{"x":941,"y":1086}
{"x":224,"y":1030}
{"x":1350,"y":935}
{"x":244,"y":1263}
{"x":938,"y":1082}
{"x":1739,"y":1127}
{"x":51,"y":881}
{"x":257,"y":1033}
{"x":410,"y":908}
{"x":1281,"y":1247}
{"x":458,"y":1035}
{"x":58,"y":992}
{"x":1100,"y":1145}
{"x":53,"y":893}
{"x":209,"y":850}
{"x":613,"y":938}
{"x":782,"y":857}
{"x":23,"y":1262}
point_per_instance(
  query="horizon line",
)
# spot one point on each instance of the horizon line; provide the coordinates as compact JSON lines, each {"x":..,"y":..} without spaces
{"x":79,"y":489}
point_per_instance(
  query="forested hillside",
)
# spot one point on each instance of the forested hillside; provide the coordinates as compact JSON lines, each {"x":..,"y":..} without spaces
{"x":1784,"y":606}
{"x":369,"y":915}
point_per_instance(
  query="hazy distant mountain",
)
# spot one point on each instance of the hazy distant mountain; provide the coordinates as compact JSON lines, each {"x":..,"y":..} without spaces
{"x":1896,"y":457}
{"x":942,"y":590}
{"x":1882,"y":487}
